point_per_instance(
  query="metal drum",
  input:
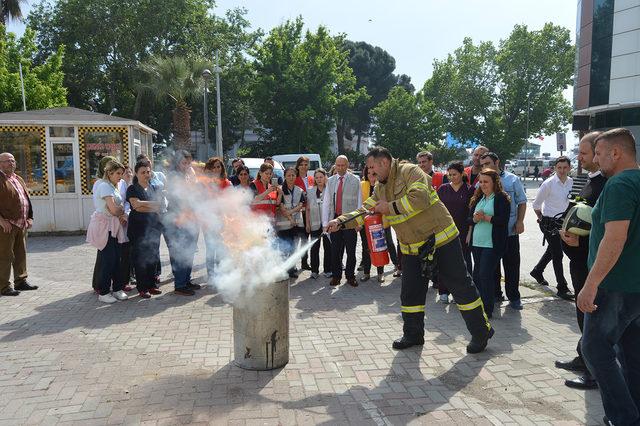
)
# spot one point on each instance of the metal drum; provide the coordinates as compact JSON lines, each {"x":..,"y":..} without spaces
{"x":261,"y":328}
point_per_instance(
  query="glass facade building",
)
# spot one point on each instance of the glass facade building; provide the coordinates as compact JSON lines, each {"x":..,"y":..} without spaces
{"x":607,"y":79}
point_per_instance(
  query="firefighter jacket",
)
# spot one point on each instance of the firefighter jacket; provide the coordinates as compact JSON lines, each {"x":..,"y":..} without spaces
{"x":416,"y":211}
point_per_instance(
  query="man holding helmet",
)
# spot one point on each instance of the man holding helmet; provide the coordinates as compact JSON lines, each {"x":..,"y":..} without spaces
{"x":577,"y":250}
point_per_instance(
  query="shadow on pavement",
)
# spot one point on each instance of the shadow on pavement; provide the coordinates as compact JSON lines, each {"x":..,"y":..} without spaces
{"x":88,"y":313}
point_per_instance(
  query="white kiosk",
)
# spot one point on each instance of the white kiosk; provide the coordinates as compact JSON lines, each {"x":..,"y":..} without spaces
{"x":57,"y":151}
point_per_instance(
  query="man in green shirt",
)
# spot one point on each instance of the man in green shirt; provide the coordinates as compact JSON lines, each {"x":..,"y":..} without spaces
{"x":610,"y":297}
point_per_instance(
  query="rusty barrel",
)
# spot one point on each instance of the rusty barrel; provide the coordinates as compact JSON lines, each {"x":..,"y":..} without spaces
{"x":261,"y":328}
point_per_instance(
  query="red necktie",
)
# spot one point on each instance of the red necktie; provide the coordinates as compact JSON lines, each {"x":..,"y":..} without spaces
{"x":339,"y":197}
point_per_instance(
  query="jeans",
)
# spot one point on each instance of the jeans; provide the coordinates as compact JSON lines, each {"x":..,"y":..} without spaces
{"x":211,"y":242}
{"x":344,"y":239}
{"x":182,"y":242}
{"x":553,"y":253}
{"x":485,"y":262}
{"x":289,"y":239}
{"x":109,"y":267}
{"x":315,"y":252}
{"x":616,"y":322}
{"x":511,"y":265}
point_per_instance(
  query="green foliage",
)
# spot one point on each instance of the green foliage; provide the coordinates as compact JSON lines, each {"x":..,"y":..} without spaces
{"x":108,"y":40}
{"x":300,"y":82}
{"x":484,"y":93}
{"x":10,"y":10}
{"x":43,"y":82}
{"x":404,"y":124}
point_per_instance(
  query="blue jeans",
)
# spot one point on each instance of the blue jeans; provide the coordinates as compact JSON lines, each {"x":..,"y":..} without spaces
{"x":485,"y":262}
{"x":109,"y":270}
{"x":182,"y":242}
{"x":616,"y":322}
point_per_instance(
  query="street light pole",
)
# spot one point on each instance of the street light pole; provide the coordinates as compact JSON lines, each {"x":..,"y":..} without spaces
{"x":206,"y":75}
{"x":217,"y":70}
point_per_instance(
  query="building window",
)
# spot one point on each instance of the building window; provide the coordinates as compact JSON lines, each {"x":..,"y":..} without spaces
{"x":27,"y":144}
{"x":61,"y":132}
{"x":95,"y":144}
{"x":63,"y":168}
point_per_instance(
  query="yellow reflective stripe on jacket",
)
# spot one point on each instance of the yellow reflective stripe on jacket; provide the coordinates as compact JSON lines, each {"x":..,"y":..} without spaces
{"x":433,"y":197}
{"x":446,"y":234}
{"x":406,"y":204}
{"x":369,"y":203}
{"x":399,"y":218}
{"x":471,"y":306}
{"x":360,"y":220}
{"x":412,"y":309}
{"x":442,"y":236}
{"x":419,"y":185}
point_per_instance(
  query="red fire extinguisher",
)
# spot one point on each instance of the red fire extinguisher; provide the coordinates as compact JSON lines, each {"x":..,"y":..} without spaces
{"x":376,"y":239}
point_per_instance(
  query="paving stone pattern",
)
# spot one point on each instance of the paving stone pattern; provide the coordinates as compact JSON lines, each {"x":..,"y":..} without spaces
{"x":66,"y":359}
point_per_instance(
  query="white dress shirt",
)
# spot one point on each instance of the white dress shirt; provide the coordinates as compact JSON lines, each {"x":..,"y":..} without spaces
{"x":553,"y":196}
{"x":330,"y":194}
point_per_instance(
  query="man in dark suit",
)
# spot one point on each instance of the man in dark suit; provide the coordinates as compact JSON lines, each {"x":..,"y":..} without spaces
{"x":16,"y":217}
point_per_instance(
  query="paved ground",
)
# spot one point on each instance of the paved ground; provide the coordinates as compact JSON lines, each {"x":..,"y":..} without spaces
{"x":65,"y":359}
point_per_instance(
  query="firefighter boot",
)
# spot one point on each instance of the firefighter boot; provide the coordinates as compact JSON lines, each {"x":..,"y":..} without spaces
{"x":413,"y":331}
{"x":479,"y":327}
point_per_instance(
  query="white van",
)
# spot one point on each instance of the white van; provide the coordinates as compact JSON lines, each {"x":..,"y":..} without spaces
{"x":253,"y":164}
{"x":289,"y":160}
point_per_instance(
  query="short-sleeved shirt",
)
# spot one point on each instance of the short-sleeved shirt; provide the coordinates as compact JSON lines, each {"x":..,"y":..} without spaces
{"x":512,"y":186}
{"x":483,"y":231}
{"x":619,"y":200}
{"x":102,"y":190}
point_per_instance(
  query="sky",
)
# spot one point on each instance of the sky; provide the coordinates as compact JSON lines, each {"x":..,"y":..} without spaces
{"x":414,"y":32}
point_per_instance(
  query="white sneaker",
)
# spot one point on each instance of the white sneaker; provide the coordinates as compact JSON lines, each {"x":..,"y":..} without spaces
{"x":314,"y":275}
{"x":444,"y":298}
{"x":120,"y":295}
{"x":107,"y":298}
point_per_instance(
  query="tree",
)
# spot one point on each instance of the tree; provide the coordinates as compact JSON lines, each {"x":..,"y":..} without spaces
{"x":42,"y":82}
{"x":10,"y":10}
{"x":300,"y":83}
{"x":180,"y":80}
{"x":404,"y":124}
{"x":501,"y":96}
{"x":108,"y":40}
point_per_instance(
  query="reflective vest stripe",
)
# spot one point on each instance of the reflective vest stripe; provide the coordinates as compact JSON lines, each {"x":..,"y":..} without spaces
{"x":412,"y":309}
{"x":444,"y":235}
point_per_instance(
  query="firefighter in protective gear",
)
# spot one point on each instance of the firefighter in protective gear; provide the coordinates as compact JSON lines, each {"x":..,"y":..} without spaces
{"x":419,"y":218}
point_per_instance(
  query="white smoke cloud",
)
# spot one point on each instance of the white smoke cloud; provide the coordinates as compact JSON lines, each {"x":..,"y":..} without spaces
{"x":249,"y":255}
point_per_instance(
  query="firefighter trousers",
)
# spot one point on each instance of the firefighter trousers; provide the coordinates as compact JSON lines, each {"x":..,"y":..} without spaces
{"x":453,"y":272}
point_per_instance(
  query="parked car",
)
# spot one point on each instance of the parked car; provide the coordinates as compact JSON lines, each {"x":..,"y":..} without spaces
{"x":254,"y":166}
{"x":289,"y":160}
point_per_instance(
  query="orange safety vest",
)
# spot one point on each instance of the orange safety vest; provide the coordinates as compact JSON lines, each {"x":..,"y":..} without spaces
{"x":268,"y":204}
{"x":436,"y":179}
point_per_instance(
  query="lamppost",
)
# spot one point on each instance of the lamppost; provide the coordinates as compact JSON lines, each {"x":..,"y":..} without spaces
{"x":206,"y":75}
{"x":217,"y":70}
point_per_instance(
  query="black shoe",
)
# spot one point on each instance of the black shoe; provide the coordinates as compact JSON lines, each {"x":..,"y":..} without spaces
{"x":10,"y":292}
{"x":477,"y":345}
{"x":184,"y":291}
{"x":538,"y":277}
{"x":576,"y":364}
{"x":499,"y":298}
{"x":306,"y":267}
{"x":405,"y":342}
{"x":25,"y":286}
{"x":293,"y":274}
{"x":582,"y":382}
{"x":566,"y":295}
{"x":192,"y":286}
{"x":606,"y":421}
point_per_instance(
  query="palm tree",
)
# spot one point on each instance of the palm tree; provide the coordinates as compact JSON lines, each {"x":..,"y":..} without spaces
{"x":180,"y":80}
{"x":10,"y":10}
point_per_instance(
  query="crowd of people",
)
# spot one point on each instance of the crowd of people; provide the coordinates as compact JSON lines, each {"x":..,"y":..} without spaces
{"x":454,"y":228}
